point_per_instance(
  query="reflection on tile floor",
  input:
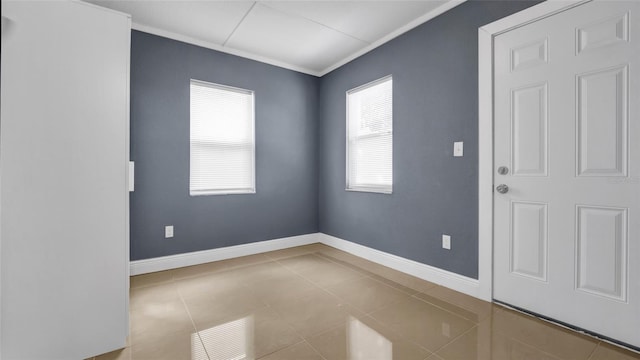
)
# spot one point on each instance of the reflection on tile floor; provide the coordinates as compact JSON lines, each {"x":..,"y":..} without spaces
{"x":316,"y":302}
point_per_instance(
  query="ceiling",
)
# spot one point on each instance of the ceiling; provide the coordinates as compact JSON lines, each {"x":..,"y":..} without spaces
{"x":312,"y":37}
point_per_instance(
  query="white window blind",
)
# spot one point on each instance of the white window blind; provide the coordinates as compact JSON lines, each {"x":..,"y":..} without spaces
{"x":370,"y":137}
{"x":222,"y":140}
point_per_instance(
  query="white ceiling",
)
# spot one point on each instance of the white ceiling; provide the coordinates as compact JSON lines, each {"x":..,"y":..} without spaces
{"x":313,"y":37}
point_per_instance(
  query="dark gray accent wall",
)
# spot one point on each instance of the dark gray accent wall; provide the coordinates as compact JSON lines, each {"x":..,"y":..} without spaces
{"x":300,"y":147}
{"x":286,"y":201}
{"x":435,"y":102}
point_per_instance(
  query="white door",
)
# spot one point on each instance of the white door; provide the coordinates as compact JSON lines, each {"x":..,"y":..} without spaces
{"x":567,"y":132}
{"x":63,"y":159}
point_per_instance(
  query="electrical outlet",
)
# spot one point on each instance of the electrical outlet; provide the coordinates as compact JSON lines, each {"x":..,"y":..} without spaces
{"x":446,"y":242}
{"x":458,"y":148}
{"x":168,"y":231}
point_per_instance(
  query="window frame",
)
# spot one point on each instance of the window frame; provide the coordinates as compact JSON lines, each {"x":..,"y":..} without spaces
{"x":371,"y":188}
{"x":229,"y":191}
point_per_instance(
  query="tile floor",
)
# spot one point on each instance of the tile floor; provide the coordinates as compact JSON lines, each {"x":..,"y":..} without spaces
{"x":316,"y":302}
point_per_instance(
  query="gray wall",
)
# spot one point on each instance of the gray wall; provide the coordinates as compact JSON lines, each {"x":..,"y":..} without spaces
{"x":300,"y":147}
{"x":435,"y":79}
{"x":286,"y":202}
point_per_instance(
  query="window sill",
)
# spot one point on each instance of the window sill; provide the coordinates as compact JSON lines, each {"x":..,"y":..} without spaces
{"x":371,"y":190}
{"x":222,"y":192}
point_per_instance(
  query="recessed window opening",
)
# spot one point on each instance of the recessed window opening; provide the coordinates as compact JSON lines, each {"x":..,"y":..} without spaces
{"x":370,"y":137}
{"x":222,"y":140}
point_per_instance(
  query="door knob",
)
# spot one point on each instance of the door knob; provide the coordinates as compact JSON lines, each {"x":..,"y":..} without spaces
{"x":502,"y":189}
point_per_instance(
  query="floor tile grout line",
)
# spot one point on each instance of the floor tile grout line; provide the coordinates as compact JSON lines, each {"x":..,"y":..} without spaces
{"x":314,"y":348}
{"x":302,"y":276}
{"x":340,"y":299}
{"x":280,"y":316}
{"x":447,"y":310}
{"x":594,"y":351}
{"x":296,"y":332}
{"x":348,"y":266}
{"x":400,"y":335}
{"x":385,"y":306}
{"x":352,"y":305}
{"x":280,"y":349}
{"x":387,"y":328}
{"x":475,"y":326}
{"x":550,"y":355}
{"x":365,"y":274}
{"x":300,"y":255}
{"x":193,"y":323}
{"x":290,"y":346}
{"x":175,"y":282}
{"x":383,"y":283}
{"x":325,"y":289}
{"x":371,"y":274}
{"x":326,"y":331}
{"x":221,"y":270}
{"x":330,"y":328}
{"x":333,"y":260}
{"x":289,"y":325}
{"x":293,"y":255}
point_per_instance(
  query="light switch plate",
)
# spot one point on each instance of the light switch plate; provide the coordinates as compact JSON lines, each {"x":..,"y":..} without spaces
{"x":458,"y":148}
{"x":446,"y":242}
{"x":168,"y":231}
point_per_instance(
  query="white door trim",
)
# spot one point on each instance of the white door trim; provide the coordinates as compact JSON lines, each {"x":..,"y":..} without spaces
{"x":486,"y":35}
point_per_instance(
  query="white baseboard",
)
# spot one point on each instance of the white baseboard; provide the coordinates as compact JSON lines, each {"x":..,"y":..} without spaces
{"x":138,"y":267}
{"x":435,"y":275}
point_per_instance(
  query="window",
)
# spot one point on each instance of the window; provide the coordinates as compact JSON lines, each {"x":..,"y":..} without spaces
{"x":221,"y":140}
{"x":370,"y":137}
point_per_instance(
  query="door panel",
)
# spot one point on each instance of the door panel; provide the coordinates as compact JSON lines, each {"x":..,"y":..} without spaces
{"x":603,"y":122}
{"x":64,"y":160}
{"x":566,"y":234}
{"x":602,"y":251}
{"x":603,"y":33}
{"x":529,"y":239}
{"x":530,"y":55}
{"x":529,"y":124}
